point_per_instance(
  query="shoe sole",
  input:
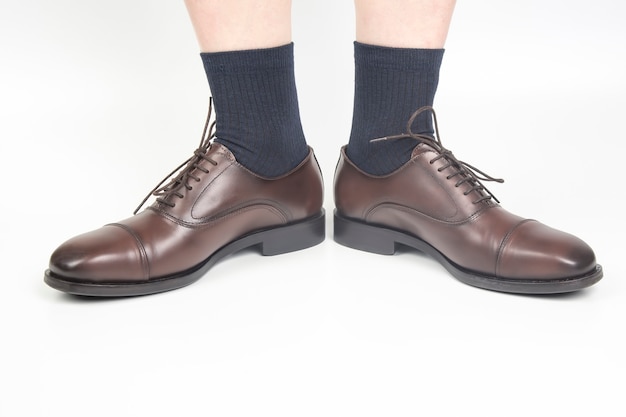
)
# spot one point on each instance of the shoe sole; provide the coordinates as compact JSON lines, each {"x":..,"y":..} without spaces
{"x":274,"y":241}
{"x":381,"y":240}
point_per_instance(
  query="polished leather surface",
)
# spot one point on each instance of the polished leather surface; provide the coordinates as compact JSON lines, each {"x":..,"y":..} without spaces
{"x":223,"y":204}
{"x":480,"y":236}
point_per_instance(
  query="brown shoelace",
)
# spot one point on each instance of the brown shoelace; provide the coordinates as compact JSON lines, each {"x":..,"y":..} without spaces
{"x":188,"y":172}
{"x":465,"y":172}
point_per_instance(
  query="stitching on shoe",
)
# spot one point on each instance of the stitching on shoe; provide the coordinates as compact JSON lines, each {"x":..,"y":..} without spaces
{"x":224,"y":216}
{"x":504,"y":242}
{"x":145,"y":264}
{"x":411,"y":210}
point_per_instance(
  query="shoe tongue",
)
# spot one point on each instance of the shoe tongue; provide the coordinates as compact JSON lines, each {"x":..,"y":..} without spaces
{"x":420,"y":148}
{"x":219,"y":148}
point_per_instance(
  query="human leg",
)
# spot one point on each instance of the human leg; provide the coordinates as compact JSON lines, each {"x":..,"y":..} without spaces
{"x":403,"y":24}
{"x":398,"y":53}
{"x":395,"y":183}
{"x":247,"y":184}
{"x":247,"y":54}
{"x":237,"y":25}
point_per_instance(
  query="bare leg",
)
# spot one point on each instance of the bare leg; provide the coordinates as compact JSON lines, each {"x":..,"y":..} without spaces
{"x":230,"y":25}
{"x":403,"y":23}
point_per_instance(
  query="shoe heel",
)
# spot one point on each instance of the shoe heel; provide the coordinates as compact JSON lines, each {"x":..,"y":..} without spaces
{"x":363,"y":237}
{"x":294,"y":237}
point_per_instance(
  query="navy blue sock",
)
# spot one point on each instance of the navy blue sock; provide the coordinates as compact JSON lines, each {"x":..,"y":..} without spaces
{"x":256,"y":107}
{"x":390,"y":84}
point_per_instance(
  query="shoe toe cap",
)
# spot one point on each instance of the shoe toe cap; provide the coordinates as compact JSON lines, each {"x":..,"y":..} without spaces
{"x":536,"y":251}
{"x":109,"y":254}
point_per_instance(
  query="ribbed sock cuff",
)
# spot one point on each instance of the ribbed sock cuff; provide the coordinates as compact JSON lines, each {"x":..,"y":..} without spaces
{"x":251,"y":60}
{"x":401,"y":59}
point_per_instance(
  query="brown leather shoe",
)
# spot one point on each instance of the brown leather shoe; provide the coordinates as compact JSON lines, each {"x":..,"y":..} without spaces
{"x":438,"y":205}
{"x":212,"y":208}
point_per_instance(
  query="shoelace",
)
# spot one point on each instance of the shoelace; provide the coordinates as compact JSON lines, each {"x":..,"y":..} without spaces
{"x":465,"y":172}
{"x":187,"y":173}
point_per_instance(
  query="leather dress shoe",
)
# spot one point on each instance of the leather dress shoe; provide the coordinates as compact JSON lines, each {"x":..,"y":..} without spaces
{"x":437,"y":204}
{"x":210,"y":209}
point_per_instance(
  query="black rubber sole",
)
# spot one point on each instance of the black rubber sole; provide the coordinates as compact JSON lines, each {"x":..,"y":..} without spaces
{"x":274,"y":241}
{"x":378,"y":239}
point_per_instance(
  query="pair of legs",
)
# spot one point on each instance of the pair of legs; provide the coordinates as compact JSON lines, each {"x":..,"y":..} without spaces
{"x":253,"y":181}
{"x":249,"y":24}
{"x":398,"y":51}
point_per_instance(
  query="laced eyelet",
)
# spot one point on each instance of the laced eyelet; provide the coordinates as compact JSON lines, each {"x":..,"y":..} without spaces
{"x":185,"y":170}
{"x":472,"y":175}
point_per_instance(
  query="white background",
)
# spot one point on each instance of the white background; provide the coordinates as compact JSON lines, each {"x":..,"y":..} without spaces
{"x":100,"y":99}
